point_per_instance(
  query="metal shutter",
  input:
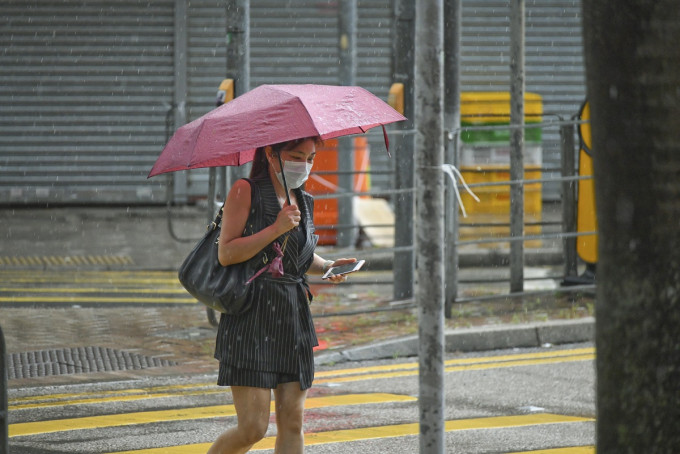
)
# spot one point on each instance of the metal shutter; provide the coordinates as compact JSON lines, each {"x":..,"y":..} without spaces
{"x":86,"y":86}
{"x":84,"y":89}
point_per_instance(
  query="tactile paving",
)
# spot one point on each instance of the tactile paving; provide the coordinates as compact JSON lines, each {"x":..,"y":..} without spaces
{"x":79,"y":360}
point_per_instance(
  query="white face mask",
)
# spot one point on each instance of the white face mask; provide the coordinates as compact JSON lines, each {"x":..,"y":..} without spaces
{"x":296,"y":173}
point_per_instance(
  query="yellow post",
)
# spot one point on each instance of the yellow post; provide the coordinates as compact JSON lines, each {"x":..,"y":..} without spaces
{"x":586,"y":219}
{"x":395,"y":97}
{"x":225,"y":92}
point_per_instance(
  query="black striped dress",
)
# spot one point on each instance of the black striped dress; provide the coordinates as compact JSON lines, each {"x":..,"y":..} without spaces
{"x":272,"y":343}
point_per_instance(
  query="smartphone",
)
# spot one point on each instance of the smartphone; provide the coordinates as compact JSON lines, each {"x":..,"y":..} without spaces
{"x":343,"y":269}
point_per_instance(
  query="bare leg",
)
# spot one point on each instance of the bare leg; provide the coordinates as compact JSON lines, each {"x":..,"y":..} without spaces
{"x":290,"y":405}
{"x":252,"y":411}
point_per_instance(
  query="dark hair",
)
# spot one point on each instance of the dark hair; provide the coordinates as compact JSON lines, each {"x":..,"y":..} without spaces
{"x":260,"y":167}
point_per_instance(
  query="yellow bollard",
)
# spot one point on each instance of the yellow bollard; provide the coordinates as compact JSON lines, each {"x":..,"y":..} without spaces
{"x":225,"y":92}
{"x":586,"y":217}
{"x":395,"y":98}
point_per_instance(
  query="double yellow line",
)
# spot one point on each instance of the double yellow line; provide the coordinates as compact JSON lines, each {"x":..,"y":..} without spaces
{"x":457,"y":365}
{"x":148,"y":287}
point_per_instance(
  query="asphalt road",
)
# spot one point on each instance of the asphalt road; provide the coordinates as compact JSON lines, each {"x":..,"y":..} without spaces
{"x":512,"y":401}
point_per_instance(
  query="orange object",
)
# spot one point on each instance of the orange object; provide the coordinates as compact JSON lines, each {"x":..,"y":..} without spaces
{"x":326,"y":160}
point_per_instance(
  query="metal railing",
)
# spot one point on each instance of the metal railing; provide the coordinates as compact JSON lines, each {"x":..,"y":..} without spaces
{"x":568,"y":234}
{"x":401,"y":254}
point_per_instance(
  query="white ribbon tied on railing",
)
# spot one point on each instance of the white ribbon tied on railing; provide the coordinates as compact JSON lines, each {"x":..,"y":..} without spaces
{"x":452,"y":172}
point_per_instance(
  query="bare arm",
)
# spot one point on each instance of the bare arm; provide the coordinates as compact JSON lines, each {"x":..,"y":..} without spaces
{"x":234,"y":248}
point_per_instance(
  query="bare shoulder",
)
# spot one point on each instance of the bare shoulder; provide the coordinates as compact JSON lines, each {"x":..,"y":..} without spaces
{"x":239,"y":196}
{"x":240,"y":190}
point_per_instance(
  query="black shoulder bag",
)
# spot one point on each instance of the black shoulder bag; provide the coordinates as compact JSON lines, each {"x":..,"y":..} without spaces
{"x":225,"y":289}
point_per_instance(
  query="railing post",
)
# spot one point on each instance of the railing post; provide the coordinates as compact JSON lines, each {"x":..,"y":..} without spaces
{"x":452,"y":65}
{"x":568,"y":158}
{"x":238,"y":58}
{"x":404,"y":154}
{"x":517,"y":144}
{"x":4,"y":416}
{"x":347,"y":48}
{"x":180,"y":93}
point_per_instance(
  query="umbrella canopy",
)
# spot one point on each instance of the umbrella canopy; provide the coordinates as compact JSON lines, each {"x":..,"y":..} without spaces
{"x":269,"y":114}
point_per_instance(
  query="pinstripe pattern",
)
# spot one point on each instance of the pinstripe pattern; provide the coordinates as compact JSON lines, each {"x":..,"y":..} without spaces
{"x":277,"y":334}
{"x":256,"y":378}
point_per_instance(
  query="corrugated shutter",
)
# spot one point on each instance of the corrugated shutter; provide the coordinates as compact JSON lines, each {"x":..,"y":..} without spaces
{"x":86,"y":88}
{"x":84,"y":85}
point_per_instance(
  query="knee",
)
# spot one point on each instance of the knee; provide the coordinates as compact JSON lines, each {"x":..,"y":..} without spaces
{"x":253,"y":430}
{"x":290,"y":423}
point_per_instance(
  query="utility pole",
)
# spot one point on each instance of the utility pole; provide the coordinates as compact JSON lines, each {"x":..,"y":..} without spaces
{"x":403,"y":64}
{"x":347,"y":46}
{"x":180,"y":179}
{"x":452,"y":38}
{"x":238,"y":45}
{"x":238,"y":57}
{"x":429,"y":85}
{"x":517,"y":144}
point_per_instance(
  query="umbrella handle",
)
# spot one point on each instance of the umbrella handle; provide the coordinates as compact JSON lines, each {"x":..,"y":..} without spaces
{"x":283,"y":177}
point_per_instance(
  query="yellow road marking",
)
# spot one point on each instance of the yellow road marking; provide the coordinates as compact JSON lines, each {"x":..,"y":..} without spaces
{"x":570,"y":450}
{"x":122,"y":398}
{"x":113,"y":395}
{"x":94,"y":277}
{"x":460,"y":361}
{"x":84,"y":271}
{"x":503,"y":364}
{"x":114,"y":286}
{"x":340,"y":375}
{"x":184,"y":414}
{"x":117,"y":281}
{"x":399,"y":430}
{"x":67,"y":260}
{"x":178,"y":290}
{"x":92,"y":299}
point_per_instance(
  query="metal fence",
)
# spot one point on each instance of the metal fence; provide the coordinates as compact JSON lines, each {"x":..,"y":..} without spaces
{"x":560,"y":230}
{"x":564,"y":230}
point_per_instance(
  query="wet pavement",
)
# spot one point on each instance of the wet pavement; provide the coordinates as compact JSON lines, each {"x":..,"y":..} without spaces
{"x":70,"y":245}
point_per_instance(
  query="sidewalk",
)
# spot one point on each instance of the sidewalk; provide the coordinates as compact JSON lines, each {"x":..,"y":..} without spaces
{"x":139,"y":239}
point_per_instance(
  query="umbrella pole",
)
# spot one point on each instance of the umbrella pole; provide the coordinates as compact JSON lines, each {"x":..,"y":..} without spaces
{"x":283,"y":177}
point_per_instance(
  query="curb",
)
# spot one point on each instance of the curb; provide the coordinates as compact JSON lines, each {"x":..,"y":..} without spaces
{"x":474,"y":340}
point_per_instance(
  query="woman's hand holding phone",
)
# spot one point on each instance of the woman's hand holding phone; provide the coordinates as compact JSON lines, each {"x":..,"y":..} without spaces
{"x":340,"y":268}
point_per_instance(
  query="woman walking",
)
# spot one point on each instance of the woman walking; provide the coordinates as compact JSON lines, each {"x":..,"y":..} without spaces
{"x":270,"y":347}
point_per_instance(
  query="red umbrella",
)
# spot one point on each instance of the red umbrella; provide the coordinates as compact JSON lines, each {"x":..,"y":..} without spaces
{"x":269,"y":114}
